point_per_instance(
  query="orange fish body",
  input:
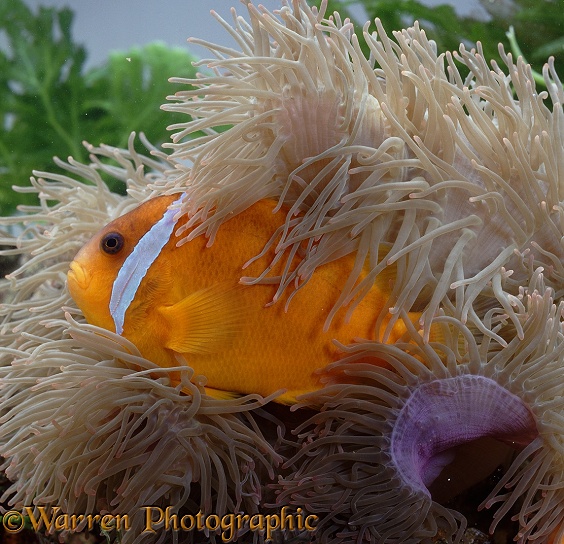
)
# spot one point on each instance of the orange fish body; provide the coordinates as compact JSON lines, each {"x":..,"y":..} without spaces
{"x":190,"y":302}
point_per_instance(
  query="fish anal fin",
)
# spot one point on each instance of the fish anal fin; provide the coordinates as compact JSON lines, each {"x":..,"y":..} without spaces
{"x":205,"y":321}
{"x":288,"y":398}
{"x":221,"y":395}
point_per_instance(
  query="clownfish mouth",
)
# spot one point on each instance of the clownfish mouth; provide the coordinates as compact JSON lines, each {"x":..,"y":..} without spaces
{"x":78,"y":275}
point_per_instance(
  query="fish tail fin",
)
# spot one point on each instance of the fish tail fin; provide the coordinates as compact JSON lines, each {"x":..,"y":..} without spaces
{"x":438,"y":333}
{"x":449,"y":335}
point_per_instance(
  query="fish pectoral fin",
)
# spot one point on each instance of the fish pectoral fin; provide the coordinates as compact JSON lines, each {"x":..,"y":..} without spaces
{"x":204,"y":322}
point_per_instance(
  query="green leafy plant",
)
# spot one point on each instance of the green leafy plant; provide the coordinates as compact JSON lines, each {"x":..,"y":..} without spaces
{"x":49,"y":103}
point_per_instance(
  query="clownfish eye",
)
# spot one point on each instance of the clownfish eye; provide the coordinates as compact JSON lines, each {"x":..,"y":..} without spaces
{"x":112,"y":243}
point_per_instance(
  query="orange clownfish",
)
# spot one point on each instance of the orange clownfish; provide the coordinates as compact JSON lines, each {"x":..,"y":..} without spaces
{"x":132,"y":279}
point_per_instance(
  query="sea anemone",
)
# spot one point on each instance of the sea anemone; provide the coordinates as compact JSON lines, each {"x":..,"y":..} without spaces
{"x":83,"y":425}
{"x":370,"y":460}
{"x":459,"y":177}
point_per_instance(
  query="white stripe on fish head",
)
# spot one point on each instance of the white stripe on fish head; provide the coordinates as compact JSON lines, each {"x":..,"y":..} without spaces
{"x":138,"y":263}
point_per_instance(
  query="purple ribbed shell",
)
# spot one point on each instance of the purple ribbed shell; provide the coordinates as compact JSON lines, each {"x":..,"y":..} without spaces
{"x":445,"y":413}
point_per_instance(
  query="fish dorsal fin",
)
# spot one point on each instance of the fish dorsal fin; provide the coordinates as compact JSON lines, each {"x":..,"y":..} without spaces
{"x":137,"y":264}
{"x":206,"y":321}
